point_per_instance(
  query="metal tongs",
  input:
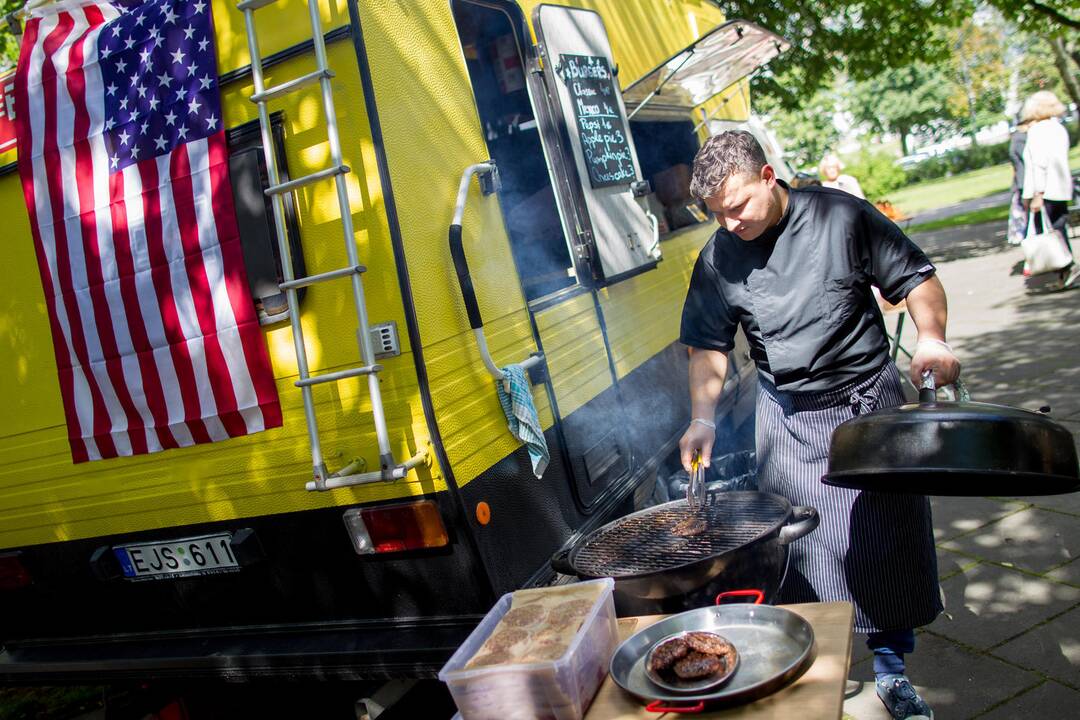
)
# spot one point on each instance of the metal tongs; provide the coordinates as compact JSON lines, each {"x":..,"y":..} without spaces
{"x":695,"y":489}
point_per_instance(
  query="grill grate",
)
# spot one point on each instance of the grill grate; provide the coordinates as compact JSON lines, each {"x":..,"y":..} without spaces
{"x":643,"y":542}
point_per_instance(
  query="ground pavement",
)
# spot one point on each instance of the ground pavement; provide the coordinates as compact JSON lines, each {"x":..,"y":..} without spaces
{"x":1008,"y":645}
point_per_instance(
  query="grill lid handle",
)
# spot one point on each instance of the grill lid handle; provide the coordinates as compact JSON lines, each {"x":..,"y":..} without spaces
{"x":803,"y":520}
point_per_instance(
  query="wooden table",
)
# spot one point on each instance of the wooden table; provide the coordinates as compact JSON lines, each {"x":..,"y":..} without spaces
{"x":819,"y":693}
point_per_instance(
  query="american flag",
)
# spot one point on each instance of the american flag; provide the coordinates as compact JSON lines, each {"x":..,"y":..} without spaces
{"x":124,"y":168}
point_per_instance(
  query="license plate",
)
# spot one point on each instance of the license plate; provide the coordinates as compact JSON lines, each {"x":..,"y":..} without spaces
{"x":205,"y":555}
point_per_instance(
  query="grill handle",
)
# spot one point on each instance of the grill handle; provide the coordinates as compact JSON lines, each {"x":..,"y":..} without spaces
{"x":803,"y":520}
{"x":759,"y":596}
{"x":560,"y":562}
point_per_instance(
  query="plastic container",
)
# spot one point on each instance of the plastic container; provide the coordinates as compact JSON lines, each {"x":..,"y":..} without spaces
{"x":554,"y":690}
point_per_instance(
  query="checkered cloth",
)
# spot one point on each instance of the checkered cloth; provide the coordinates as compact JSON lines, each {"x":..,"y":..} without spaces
{"x":515,"y":396}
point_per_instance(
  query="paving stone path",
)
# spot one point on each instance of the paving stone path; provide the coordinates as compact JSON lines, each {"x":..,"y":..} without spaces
{"x":1008,"y":645}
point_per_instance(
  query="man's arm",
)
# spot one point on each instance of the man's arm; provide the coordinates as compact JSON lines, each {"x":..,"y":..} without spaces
{"x":708,"y":368}
{"x":929,"y":310}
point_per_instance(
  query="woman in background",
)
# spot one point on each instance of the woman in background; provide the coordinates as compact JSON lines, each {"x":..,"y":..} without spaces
{"x":1017,"y":212}
{"x":1047,"y":183}
{"x":830,"y":168}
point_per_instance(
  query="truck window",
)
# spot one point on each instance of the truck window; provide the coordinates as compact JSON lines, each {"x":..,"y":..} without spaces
{"x":255,"y":217}
{"x":666,"y":150}
{"x":495,"y":59}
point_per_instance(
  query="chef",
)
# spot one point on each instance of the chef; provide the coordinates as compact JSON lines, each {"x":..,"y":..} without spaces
{"x":794,"y":269}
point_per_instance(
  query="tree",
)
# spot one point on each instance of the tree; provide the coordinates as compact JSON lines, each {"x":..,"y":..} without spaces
{"x":979,"y":71}
{"x":807,"y":133}
{"x":1058,"y":21}
{"x":861,"y":37}
{"x":903,"y":100}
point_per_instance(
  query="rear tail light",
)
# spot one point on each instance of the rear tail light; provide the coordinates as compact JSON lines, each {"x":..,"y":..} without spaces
{"x":12,"y":573}
{"x":394,"y":528}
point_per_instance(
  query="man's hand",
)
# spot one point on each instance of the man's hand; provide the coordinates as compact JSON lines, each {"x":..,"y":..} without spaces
{"x":934,"y":355}
{"x":697,"y":437}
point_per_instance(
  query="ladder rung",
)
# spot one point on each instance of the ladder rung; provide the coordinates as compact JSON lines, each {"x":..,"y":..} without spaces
{"x":306,"y":180}
{"x":340,"y":375}
{"x":253,"y":4}
{"x":322,"y":277}
{"x":292,"y":85}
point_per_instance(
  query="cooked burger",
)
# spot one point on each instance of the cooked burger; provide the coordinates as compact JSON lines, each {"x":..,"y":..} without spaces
{"x":707,"y":643}
{"x":665,"y":655}
{"x":689,"y":527}
{"x":698,"y":665}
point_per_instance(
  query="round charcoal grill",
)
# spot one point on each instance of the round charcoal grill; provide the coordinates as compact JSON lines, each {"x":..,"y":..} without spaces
{"x":643,"y":542}
{"x":742,"y":547}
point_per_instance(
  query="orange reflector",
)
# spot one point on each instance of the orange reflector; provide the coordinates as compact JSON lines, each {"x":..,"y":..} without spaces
{"x":394,"y":528}
{"x":483,"y":513}
{"x":12,"y":573}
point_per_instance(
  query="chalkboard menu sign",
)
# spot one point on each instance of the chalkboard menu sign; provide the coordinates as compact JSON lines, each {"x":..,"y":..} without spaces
{"x":601,"y":125}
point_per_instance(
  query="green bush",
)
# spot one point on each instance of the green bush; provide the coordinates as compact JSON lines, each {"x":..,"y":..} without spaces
{"x":958,"y":161}
{"x":877,"y":173}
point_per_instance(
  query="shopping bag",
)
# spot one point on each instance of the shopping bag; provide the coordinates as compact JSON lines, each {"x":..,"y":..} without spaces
{"x":1046,"y":251}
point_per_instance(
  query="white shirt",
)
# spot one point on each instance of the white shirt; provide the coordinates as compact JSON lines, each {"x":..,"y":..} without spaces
{"x":846,"y":183}
{"x":1046,"y":161}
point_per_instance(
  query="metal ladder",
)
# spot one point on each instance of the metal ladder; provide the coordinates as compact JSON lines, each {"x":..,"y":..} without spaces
{"x":324,"y":480}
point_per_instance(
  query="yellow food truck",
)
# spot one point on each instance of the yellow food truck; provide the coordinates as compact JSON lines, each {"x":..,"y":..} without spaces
{"x":427,"y":192}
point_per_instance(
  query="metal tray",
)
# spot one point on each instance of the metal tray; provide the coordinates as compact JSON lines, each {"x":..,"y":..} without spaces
{"x":691,"y":686}
{"x":775,"y":647}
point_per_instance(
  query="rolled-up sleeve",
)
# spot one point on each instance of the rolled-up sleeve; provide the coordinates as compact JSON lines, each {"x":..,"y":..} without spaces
{"x":896,"y":263}
{"x":706,"y":319}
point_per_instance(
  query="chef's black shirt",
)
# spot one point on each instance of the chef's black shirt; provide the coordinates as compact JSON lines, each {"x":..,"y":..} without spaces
{"x":802,"y":293}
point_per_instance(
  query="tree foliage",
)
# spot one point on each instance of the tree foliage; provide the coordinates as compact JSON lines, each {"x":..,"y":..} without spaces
{"x":808,"y":133}
{"x":861,"y":37}
{"x":902,"y":100}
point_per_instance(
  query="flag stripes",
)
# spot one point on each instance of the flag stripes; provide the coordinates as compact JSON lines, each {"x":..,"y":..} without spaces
{"x":156,"y":339}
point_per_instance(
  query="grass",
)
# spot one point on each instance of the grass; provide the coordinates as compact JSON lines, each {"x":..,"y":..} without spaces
{"x":934,"y":194}
{"x":975,"y":217}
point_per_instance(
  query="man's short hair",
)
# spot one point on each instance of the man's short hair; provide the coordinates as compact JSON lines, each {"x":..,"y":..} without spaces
{"x":723,"y":155}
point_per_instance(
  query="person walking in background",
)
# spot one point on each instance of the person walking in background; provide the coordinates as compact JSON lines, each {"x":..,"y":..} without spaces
{"x":830,"y":168}
{"x":1047,"y":184}
{"x":1017,"y":212}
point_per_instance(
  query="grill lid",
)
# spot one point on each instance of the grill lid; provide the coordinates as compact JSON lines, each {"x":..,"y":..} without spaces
{"x":643,"y":543}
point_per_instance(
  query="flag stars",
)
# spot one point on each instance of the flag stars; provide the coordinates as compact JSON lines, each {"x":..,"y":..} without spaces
{"x":205,"y":82}
{"x":170,"y":119}
{"x":211,"y":123}
{"x":109,"y":124}
{"x":129,"y":43}
{"x":115,"y":161}
{"x":124,"y":104}
{"x":111,"y":89}
{"x":135,"y":152}
{"x":199,"y":7}
{"x":139,"y":20}
{"x":160,"y":143}
{"x":124,"y":137}
{"x":170,"y":16}
{"x":143,"y":128}
{"x":191,"y":69}
{"x":178,"y":56}
{"x":194,"y":105}
{"x":154,"y":102}
{"x":144,"y":56}
{"x":163,"y":80}
{"x":189,"y":32}
{"x":202,"y":44}
{"x":181,"y":95}
{"x":182,"y":133}
{"x":121,"y":65}
{"x":140,"y":90}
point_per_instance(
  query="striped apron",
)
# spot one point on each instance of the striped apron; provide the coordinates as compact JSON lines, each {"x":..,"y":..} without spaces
{"x":875,"y":550}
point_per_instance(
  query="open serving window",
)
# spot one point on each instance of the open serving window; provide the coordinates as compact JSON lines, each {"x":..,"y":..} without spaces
{"x":662,"y":113}
{"x":704,"y":69}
